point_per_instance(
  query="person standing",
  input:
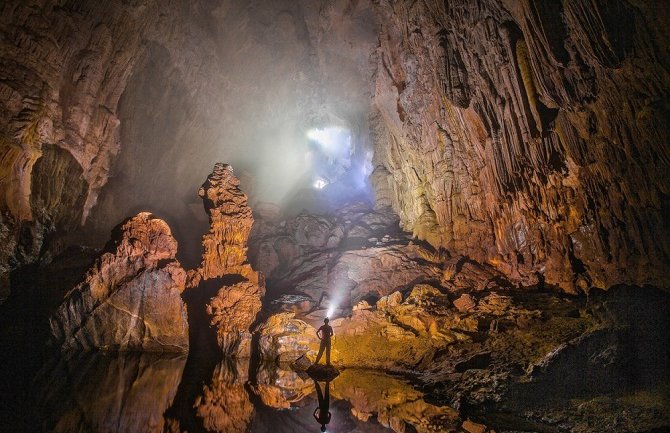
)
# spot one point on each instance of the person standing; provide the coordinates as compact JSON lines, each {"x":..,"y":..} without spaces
{"x":324,"y":333}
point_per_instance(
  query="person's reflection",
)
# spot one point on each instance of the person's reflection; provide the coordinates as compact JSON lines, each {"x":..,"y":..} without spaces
{"x":322,"y":413}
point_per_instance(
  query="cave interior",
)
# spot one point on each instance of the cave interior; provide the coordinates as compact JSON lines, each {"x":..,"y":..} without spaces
{"x":475,"y":193}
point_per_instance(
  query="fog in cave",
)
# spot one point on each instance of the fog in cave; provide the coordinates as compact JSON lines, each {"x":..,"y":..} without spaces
{"x":282,"y":100}
{"x":464,"y":205}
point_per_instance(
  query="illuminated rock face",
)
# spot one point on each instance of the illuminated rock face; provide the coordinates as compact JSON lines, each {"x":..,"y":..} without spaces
{"x":529,"y":135}
{"x":394,"y":402}
{"x":131,"y":298}
{"x":284,"y":338}
{"x":59,"y":121}
{"x":234,"y":308}
{"x":427,"y":330}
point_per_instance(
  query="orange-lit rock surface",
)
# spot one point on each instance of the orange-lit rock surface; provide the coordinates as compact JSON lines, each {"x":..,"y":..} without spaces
{"x":394,"y":402}
{"x":425,"y":330}
{"x":280,"y":388}
{"x":284,"y":338}
{"x":64,"y":70}
{"x":529,"y":135}
{"x":131,"y":298}
{"x":236,"y":304}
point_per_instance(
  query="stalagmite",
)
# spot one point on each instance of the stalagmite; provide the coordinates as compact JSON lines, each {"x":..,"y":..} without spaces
{"x":240,"y":289}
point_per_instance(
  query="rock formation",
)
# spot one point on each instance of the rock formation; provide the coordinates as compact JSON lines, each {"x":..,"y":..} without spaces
{"x":426,"y":329}
{"x":529,"y":135}
{"x":59,"y":124}
{"x":131,"y":298}
{"x":237,"y":302}
{"x":316,"y":261}
{"x":393,"y":402}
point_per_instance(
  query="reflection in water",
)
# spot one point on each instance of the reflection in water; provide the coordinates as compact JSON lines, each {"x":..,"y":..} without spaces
{"x":281,"y":388}
{"x":149,"y":393}
{"x":392,"y":401}
{"x":224,"y":405}
{"x":115,"y":393}
{"x":322,"y":413}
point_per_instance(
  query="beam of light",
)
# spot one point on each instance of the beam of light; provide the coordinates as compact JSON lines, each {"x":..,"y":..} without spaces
{"x":334,"y":142}
{"x":331,"y":309}
{"x":319,"y":183}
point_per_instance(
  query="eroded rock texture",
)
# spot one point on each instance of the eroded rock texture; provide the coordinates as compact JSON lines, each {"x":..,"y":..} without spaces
{"x":131,"y":298}
{"x":237,"y":302}
{"x":529,"y":135}
{"x":314,"y":262}
{"x":63,"y":70}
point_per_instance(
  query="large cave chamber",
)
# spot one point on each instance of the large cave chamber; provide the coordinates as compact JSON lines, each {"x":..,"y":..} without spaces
{"x":471,"y":196}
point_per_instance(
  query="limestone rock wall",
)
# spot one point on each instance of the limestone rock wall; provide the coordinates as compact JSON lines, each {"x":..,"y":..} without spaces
{"x":131,"y":298}
{"x":529,"y":135}
{"x":63,"y":68}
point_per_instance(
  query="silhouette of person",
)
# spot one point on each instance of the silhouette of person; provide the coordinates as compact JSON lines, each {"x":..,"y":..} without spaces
{"x":322,"y":413}
{"x":324,"y":333}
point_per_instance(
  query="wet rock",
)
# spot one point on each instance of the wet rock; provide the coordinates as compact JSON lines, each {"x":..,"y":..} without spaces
{"x":322,"y":373}
{"x":131,"y":298}
{"x":394,"y":402}
{"x":234,"y":308}
{"x":278,"y":388}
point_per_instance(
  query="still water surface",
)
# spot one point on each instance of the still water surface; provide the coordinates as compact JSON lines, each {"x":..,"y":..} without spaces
{"x":159,"y":393}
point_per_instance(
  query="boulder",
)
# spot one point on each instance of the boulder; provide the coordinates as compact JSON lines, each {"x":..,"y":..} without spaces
{"x":131,"y":298}
{"x":323,"y":373}
{"x":285,"y":338}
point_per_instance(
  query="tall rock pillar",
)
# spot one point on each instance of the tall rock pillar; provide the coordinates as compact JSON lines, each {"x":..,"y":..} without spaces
{"x":234,"y":308}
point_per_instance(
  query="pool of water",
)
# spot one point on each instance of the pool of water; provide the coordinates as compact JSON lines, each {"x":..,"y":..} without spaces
{"x":159,"y":393}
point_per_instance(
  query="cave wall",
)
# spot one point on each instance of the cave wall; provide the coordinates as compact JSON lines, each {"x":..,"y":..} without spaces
{"x":145,"y":95}
{"x":63,"y":68}
{"x":529,"y":135}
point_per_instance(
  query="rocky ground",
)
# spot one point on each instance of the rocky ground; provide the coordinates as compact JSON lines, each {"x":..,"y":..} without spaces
{"x":474,"y":340}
